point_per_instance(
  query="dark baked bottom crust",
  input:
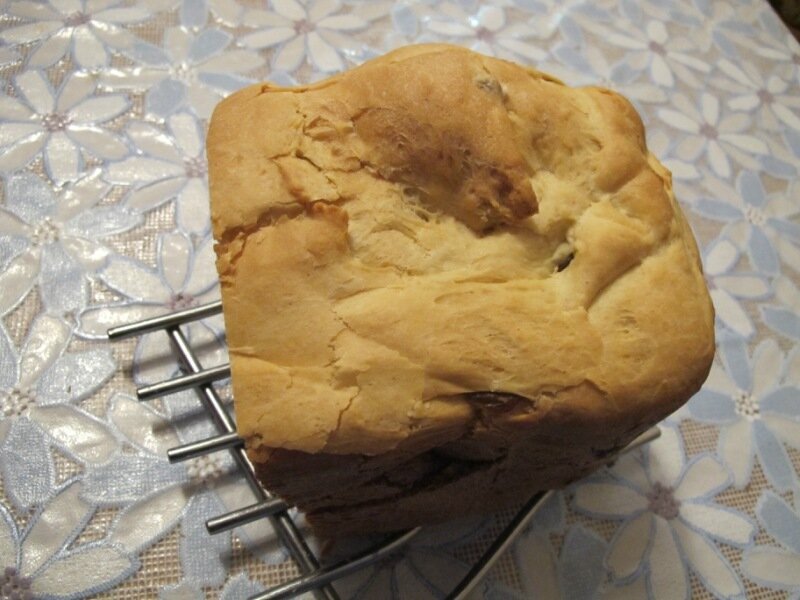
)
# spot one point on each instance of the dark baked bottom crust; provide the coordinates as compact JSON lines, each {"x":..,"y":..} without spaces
{"x":496,"y":466}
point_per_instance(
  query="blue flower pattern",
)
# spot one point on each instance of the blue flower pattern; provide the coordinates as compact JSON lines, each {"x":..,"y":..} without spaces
{"x":670,"y":522}
{"x":56,"y":239}
{"x":104,"y":220}
{"x":160,"y":495}
{"x":775,"y":566}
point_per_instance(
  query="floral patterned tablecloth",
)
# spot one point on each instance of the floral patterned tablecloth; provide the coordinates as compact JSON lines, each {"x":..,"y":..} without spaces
{"x":104,"y":220}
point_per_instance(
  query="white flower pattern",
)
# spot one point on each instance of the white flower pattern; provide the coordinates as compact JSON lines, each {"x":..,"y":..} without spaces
{"x":753,"y":409}
{"x":88,"y":30}
{"x":776,"y":567}
{"x":185,"y":277}
{"x":55,"y":238}
{"x":192,"y":70}
{"x":588,"y":66}
{"x":301,"y":31}
{"x":39,"y":387}
{"x":729,"y":288}
{"x":708,"y":131}
{"x":650,"y":47}
{"x":669,"y":520}
{"x":489,"y":31}
{"x":162,"y":495}
{"x":767,"y":97}
{"x":170,"y":165}
{"x":38,"y":562}
{"x":59,"y":124}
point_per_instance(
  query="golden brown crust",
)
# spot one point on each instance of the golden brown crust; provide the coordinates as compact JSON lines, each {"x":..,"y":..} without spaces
{"x":433,"y":224}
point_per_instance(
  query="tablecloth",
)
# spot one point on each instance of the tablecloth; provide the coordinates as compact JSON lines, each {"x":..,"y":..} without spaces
{"x":104,"y":220}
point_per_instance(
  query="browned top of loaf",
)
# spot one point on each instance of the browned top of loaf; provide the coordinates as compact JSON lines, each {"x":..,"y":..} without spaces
{"x":396,"y":236}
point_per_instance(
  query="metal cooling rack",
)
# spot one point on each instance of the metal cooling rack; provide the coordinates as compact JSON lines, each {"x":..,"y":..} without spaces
{"x":314,"y":578}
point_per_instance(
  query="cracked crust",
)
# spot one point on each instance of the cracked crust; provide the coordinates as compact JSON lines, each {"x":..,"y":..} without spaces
{"x":448,"y":281}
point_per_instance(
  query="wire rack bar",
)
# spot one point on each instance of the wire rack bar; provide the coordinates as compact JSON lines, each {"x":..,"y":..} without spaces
{"x":284,"y":526}
{"x":339,"y":570}
{"x":184,"y":382}
{"x":165,"y":321}
{"x":243,"y":516}
{"x":195,"y":449}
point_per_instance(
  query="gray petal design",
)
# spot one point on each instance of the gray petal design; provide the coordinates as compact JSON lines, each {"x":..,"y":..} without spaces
{"x":47,"y":339}
{"x":147,"y":53}
{"x":550,"y":517}
{"x":9,"y":537}
{"x":207,"y":44}
{"x":62,"y":284}
{"x":194,"y":14}
{"x":103,"y":221}
{"x":165,"y":98}
{"x":224,"y":81}
{"x":9,"y":361}
{"x":30,"y":198}
{"x":75,"y":376}
{"x":10,"y":246}
{"x":17,"y":279}
{"x":145,"y":522}
{"x":582,"y":553}
{"x":53,"y":528}
{"x":187,"y":415}
{"x":27,"y":468}
{"x":127,"y":478}
{"x":404,"y":20}
{"x":204,"y":558}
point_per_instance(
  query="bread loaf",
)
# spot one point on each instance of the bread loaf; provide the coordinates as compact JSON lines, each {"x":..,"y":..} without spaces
{"x":448,"y":281}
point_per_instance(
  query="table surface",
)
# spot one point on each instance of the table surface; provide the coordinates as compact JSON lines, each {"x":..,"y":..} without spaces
{"x":104,"y":220}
